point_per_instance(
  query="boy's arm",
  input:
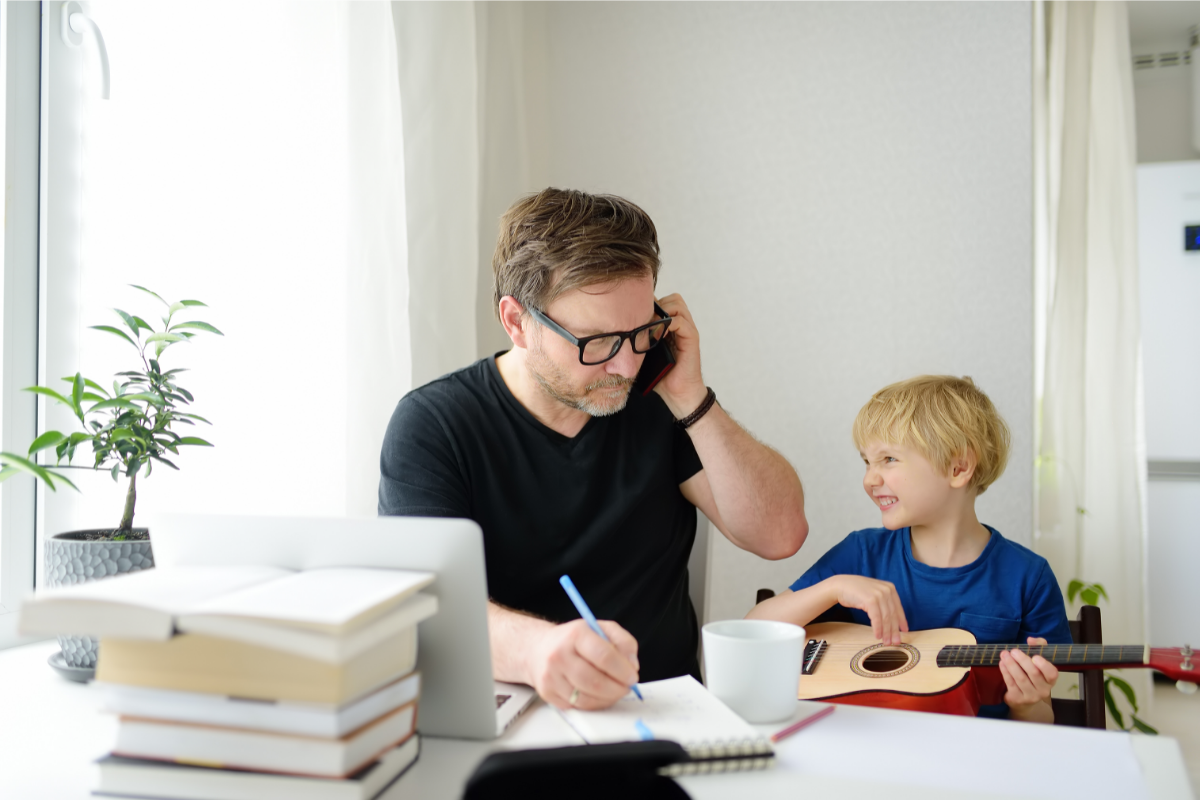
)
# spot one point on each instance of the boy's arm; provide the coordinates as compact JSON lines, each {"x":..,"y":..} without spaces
{"x":877,"y":598}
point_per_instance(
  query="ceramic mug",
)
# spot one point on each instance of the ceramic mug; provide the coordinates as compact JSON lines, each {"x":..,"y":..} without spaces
{"x":753,"y":666}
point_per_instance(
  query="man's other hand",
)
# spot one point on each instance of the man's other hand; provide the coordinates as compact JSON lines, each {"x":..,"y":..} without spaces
{"x":570,"y":659}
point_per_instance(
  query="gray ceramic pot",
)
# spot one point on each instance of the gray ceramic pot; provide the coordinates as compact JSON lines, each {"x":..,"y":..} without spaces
{"x":71,"y":558}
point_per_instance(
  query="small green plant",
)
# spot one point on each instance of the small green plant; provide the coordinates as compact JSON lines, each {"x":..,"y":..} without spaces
{"x":1091,"y":593}
{"x":130,"y":428}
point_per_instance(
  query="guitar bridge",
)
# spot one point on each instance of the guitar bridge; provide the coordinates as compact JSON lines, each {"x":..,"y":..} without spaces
{"x":812,"y":655}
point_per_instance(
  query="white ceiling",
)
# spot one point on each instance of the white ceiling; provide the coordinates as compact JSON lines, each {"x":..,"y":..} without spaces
{"x":1162,"y":22}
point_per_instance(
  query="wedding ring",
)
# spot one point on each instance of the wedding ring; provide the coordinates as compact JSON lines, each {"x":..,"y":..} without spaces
{"x":574,"y":697}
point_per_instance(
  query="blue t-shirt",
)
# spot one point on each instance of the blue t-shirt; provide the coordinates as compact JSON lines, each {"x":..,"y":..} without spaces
{"x":1005,"y":595}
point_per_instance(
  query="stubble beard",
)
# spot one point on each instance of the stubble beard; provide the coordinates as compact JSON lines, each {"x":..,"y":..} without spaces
{"x":557,"y":384}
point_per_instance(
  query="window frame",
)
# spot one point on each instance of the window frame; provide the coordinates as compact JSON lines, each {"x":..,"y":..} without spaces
{"x":21,"y":42}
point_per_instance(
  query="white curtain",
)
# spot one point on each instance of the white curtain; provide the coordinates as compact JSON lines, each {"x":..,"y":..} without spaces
{"x":1091,"y":465}
{"x":251,"y":157}
{"x":465,"y":85}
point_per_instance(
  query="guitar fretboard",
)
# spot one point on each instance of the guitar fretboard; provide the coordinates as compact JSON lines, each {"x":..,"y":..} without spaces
{"x":988,"y":655}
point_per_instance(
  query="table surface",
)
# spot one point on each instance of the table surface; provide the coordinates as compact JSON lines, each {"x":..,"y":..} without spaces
{"x":51,"y":731}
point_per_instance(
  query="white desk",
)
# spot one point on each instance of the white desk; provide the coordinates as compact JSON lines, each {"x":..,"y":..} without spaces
{"x":51,"y":731}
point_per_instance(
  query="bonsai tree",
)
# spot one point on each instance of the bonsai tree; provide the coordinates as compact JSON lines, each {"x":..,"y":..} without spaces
{"x":132,"y":427}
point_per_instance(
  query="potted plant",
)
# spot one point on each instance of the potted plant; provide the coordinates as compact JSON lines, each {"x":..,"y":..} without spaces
{"x":130,"y":429}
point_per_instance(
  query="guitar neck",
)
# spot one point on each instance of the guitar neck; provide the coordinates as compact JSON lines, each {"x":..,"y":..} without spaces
{"x":1078,"y":656}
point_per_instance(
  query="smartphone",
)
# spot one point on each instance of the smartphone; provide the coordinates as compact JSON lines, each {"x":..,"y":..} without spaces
{"x":656,"y":364}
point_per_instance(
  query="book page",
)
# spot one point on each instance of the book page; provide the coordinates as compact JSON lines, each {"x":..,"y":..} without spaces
{"x":170,"y":590}
{"x":333,"y":599}
{"x":678,"y":709}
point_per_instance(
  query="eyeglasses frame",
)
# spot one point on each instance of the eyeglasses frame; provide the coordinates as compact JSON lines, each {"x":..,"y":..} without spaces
{"x":582,"y":343}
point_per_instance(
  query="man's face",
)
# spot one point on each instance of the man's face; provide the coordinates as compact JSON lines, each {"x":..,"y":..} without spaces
{"x":602,"y":389}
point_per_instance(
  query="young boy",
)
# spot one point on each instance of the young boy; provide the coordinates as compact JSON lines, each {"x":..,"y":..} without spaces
{"x":931,"y":445}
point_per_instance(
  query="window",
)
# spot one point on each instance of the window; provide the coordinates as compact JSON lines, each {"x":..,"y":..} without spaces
{"x":245,"y":158}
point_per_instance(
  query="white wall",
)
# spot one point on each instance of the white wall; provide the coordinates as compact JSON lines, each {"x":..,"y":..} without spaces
{"x":843,"y":196}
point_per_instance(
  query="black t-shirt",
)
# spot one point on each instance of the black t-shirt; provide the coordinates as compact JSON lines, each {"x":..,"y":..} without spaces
{"x":603,"y":507}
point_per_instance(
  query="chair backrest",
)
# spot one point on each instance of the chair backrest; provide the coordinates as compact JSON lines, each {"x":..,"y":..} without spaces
{"x":1088,"y":710}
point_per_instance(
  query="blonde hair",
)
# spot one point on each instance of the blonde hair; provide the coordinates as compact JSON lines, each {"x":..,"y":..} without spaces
{"x":943,"y":418}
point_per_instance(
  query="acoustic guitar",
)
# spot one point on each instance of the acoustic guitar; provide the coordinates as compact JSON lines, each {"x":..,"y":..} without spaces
{"x":945,"y":671}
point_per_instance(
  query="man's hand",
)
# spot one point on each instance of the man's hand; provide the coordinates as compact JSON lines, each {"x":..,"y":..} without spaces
{"x":1029,"y":681}
{"x":571,"y":658}
{"x":878,"y":599}
{"x":682,"y":389}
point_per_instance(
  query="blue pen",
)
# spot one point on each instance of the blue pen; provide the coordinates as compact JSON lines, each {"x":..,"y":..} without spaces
{"x":587,"y":614}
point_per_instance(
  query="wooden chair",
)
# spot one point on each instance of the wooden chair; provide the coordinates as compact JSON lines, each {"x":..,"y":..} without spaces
{"x":1088,"y":710}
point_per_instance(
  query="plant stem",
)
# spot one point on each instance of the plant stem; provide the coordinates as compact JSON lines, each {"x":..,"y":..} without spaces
{"x":130,"y":500}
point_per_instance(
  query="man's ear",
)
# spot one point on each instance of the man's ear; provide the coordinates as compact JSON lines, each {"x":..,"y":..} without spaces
{"x":512,"y":317}
{"x":962,"y":469}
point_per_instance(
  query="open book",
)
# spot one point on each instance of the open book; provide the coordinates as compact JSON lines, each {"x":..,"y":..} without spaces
{"x":680,"y":710}
{"x":330,"y":614}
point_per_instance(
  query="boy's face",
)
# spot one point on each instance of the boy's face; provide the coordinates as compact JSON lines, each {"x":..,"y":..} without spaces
{"x":906,"y":487}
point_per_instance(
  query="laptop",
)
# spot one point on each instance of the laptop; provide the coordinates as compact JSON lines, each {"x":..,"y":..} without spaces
{"x":511,"y":701}
{"x":458,"y":694}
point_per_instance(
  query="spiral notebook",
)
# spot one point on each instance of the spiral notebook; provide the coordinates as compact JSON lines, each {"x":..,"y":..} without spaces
{"x":679,"y":710}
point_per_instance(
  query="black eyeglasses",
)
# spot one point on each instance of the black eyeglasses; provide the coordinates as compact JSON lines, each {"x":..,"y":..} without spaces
{"x":604,"y":346}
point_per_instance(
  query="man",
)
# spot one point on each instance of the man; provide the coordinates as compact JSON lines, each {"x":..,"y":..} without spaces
{"x":568,"y":472}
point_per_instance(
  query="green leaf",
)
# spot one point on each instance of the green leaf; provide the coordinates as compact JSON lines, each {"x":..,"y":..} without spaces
{"x":130,"y":322}
{"x":47,"y":439}
{"x":154,"y":366}
{"x":42,"y":390}
{"x":1073,"y":589}
{"x":147,"y":291}
{"x":170,"y":338}
{"x":117,"y":331}
{"x":91,"y":384}
{"x":200,"y":326}
{"x":14,"y":461}
{"x":186,"y":394}
{"x":1112,"y":707}
{"x":116,"y":472}
{"x":79,"y":438}
{"x":193,"y":440}
{"x":1126,"y":689}
{"x":143,"y":324}
{"x":145,"y":398}
{"x":193,"y":416}
{"x":77,"y":392}
{"x":175,"y":307}
{"x":92,"y":396}
{"x":1089,"y":596}
{"x":116,"y":402}
{"x":1137,"y":723}
{"x":192,"y":303}
{"x":163,"y":460}
{"x":175,"y":371}
{"x":1100,"y":589}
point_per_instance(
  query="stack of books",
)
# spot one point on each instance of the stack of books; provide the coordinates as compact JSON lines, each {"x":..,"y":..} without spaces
{"x":251,"y":682}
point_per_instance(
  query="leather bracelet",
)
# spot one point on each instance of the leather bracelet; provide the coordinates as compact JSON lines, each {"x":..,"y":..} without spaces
{"x":694,"y":417}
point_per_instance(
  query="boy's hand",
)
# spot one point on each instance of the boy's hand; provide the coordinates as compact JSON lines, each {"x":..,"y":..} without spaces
{"x":1029,"y":681}
{"x":878,"y":599}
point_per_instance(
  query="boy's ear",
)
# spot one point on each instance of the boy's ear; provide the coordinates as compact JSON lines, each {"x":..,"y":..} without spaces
{"x":962,"y":469}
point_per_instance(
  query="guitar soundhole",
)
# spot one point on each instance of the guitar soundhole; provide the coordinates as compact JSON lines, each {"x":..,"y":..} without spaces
{"x":885,"y":661}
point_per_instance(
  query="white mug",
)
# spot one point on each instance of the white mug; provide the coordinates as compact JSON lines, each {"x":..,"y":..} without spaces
{"x":753,"y":666}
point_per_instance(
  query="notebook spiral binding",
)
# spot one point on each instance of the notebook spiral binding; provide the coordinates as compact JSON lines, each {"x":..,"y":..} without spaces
{"x":732,"y":756}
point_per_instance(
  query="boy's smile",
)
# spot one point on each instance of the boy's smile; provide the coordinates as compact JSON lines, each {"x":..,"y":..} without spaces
{"x":904,"y":485}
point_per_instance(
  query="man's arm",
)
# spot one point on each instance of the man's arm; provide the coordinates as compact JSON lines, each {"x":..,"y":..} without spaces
{"x":568,"y":664}
{"x":749,"y":491}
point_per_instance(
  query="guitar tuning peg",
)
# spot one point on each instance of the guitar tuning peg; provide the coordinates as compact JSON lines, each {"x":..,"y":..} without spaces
{"x":1185,"y":687}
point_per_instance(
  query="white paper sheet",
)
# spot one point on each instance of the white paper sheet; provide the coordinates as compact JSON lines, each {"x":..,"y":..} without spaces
{"x":964,"y":753}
